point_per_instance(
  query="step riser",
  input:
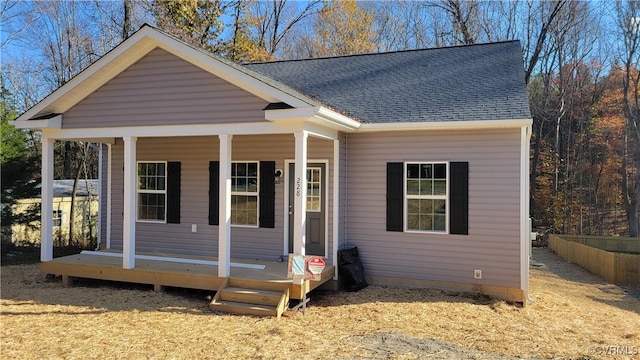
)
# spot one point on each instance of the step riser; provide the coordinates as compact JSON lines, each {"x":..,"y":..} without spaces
{"x":250,"y":298}
{"x":258,"y":285}
{"x":221,"y":307}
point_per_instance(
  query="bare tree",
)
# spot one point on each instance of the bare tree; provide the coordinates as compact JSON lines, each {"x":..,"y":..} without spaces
{"x":273,"y":21}
{"x":401,"y":25}
{"x":628,"y":28}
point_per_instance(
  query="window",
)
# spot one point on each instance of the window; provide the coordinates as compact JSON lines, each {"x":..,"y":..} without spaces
{"x":152,"y":191}
{"x":244,"y":193}
{"x":57,"y":218}
{"x":426,"y":196}
{"x":314,"y":196}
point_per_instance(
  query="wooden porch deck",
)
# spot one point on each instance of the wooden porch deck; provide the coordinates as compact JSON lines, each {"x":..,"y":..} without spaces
{"x":176,"y":274}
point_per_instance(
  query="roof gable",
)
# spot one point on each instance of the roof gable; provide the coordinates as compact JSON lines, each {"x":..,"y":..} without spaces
{"x":138,"y":46}
{"x":163,"y":89}
{"x":464,"y":83}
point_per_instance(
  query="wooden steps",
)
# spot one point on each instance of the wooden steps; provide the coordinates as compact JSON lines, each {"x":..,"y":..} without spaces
{"x":251,"y":297}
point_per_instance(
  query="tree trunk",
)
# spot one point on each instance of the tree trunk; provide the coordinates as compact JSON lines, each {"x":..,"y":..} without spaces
{"x":72,"y":213}
{"x":126,"y":21}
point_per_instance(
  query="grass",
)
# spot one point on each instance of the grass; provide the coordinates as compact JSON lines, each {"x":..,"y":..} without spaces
{"x":574,"y":315}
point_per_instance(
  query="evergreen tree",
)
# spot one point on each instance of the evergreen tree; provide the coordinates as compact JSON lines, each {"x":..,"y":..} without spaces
{"x":19,"y":170}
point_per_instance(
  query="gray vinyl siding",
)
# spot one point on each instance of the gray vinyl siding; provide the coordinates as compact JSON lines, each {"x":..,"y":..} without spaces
{"x":162,"y":89}
{"x":493,"y":243}
{"x":194,"y":153}
{"x":342,"y":212}
{"x":117,"y":193}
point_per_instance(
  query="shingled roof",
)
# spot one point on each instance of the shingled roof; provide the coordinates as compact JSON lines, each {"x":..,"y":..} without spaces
{"x":462,"y":83}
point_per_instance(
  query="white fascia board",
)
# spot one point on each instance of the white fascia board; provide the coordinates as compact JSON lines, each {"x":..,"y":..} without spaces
{"x":316,"y":114}
{"x":337,"y":120}
{"x":447,"y":125}
{"x":320,"y":132}
{"x":51,"y":123}
{"x":253,"y":128}
{"x":295,"y":114}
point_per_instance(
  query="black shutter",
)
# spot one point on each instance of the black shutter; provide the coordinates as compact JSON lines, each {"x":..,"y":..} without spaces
{"x":173,"y":192}
{"x":267,"y":194}
{"x":214,"y":192}
{"x":395,"y":189}
{"x":459,"y":207}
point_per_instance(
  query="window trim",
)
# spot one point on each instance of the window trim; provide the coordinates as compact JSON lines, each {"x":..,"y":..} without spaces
{"x":406,"y":197}
{"x":166,"y":170}
{"x":320,"y":192}
{"x":246,"y":193}
{"x":60,"y":217}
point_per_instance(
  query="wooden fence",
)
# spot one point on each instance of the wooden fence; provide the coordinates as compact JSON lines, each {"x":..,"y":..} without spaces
{"x":617,"y":268}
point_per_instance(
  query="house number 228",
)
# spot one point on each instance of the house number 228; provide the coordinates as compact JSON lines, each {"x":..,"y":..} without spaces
{"x":298,"y":187}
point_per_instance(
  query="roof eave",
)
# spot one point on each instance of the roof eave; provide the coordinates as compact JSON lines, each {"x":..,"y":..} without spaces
{"x":54,"y":122}
{"x":315,"y":114}
{"x":447,"y":125}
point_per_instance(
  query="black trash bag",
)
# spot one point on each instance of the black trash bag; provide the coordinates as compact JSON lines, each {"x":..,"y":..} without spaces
{"x":350,"y":270}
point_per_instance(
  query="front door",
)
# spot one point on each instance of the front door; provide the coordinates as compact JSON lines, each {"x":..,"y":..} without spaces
{"x":316,"y":207}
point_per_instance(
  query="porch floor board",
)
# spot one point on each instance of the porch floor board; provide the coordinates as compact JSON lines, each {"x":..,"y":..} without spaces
{"x":165,"y":273}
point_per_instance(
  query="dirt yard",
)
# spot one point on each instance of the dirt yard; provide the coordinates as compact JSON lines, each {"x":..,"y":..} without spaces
{"x":575,"y":316}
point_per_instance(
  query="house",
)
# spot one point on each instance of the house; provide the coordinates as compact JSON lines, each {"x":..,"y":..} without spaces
{"x":419,"y":158}
{"x":85,"y":209}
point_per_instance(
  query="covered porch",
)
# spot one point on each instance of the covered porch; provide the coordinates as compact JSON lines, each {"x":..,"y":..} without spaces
{"x":191,"y":272}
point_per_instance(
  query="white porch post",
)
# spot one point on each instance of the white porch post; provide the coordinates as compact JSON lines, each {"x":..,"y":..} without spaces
{"x":300,"y":194}
{"x":109,"y":196}
{"x":336,"y":205}
{"x":224,"y":227}
{"x":129,"y":215}
{"x":46,"y":210}
{"x":101,"y":196}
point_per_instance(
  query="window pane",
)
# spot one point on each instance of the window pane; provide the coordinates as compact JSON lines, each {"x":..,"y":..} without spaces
{"x":413,"y":206}
{"x":426,"y":222}
{"x":413,"y":222}
{"x":426,"y":171}
{"x":241,"y":170}
{"x":439,"y":187}
{"x":439,"y":222}
{"x":241,"y":184}
{"x":440,"y":171}
{"x":252,"y":210}
{"x":142,"y":169}
{"x":439,"y":206}
{"x":161,"y":170}
{"x":426,"y":206}
{"x":151,"y":183}
{"x":252,"y":169}
{"x":313,"y":204}
{"x":413,"y":171}
{"x":426,"y":187}
{"x":413,"y":187}
{"x":160,"y":183}
{"x":252,"y":186}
